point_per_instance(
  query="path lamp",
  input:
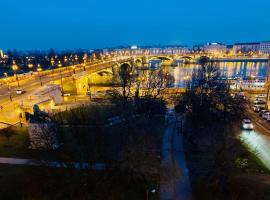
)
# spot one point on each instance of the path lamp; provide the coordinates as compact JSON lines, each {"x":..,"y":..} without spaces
{"x":6,"y":76}
{"x":65,"y":61}
{"x":39,"y":70}
{"x":73,"y":67}
{"x":52,"y":64}
{"x":30,"y":67}
{"x":15,"y":68}
{"x":84,"y":61}
{"x":62,"y":87}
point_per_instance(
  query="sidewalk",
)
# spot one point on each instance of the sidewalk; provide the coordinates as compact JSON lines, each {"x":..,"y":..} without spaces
{"x":52,"y":164}
{"x":175,"y":183}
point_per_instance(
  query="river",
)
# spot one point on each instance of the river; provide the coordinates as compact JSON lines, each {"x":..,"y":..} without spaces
{"x":242,"y":70}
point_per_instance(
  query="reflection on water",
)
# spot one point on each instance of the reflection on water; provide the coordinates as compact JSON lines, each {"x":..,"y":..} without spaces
{"x":258,"y":143}
{"x":227,"y":69}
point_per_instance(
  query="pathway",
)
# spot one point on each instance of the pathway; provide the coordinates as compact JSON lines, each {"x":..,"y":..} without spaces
{"x":175,"y":183}
{"x":52,"y":164}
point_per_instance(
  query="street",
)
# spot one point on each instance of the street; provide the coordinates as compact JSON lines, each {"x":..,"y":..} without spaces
{"x":258,"y":140}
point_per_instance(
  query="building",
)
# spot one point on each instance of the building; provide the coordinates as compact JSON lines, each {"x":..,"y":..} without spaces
{"x":246,"y":47}
{"x":215,"y":48}
{"x":264,"y":47}
{"x":168,"y":50}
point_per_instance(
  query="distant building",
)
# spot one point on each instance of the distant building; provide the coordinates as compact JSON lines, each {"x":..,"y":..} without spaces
{"x":264,"y":47}
{"x":215,"y":48}
{"x":168,"y":50}
{"x":246,"y":47}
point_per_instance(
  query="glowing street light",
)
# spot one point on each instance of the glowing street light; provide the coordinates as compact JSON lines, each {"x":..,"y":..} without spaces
{"x":62,"y":87}
{"x":39,"y":70}
{"x":30,"y":65}
{"x":84,"y":61}
{"x":52,"y":64}
{"x":15,"y":68}
{"x":73,"y":67}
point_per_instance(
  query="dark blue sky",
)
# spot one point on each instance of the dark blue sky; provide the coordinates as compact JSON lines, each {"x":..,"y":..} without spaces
{"x":68,"y":24}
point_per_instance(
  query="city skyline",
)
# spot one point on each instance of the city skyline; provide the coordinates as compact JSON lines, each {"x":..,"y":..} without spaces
{"x":91,"y":25}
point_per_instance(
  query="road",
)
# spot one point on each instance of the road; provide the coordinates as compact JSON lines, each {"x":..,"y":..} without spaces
{"x":258,"y":140}
{"x":175,"y":183}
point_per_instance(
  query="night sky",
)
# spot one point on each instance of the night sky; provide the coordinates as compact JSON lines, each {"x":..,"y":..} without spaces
{"x":69,"y":24}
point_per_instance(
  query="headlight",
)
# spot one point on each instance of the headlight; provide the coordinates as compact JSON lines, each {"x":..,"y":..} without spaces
{"x":245,"y":126}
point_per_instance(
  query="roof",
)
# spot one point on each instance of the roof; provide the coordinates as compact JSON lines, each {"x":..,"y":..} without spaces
{"x":247,"y":43}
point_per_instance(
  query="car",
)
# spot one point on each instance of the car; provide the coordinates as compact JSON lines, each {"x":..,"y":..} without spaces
{"x":20,"y":91}
{"x":259,"y":102}
{"x":257,"y":108}
{"x":268,"y":118}
{"x":261,"y":96}
{"x":247,"y":124}
{"x":262,"y":112}
{"x":266,"y":115}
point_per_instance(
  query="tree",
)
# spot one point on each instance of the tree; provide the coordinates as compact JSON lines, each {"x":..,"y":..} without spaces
{"x":125,"y":79}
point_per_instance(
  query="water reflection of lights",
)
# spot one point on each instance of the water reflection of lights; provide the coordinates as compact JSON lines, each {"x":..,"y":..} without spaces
{"x":258,"y":143}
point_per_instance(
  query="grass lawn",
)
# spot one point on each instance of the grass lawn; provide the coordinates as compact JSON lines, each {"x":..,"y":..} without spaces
{"x":28,"y":183}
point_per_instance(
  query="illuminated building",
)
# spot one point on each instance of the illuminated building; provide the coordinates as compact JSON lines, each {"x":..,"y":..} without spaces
{"x":215,"y":48}
{"x":264,"y":47}
{"x":246,"y":47}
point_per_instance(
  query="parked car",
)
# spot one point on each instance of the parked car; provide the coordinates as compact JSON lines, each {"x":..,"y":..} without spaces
{"x":261,"y":96}
{"x":247,"y":124}
{"x":20,"y":91}
{"x":259,"y":102}
{"x":257,"y":108}
{"x":262,"y":112}
{"x":266,"y":115}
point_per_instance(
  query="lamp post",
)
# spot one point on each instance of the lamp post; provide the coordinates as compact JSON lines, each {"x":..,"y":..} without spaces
{"x":73,"y":67}
{"x":52,"y":64}
{"x":15,"y":68}
{"x":62,"y":87}
{"x":6,"y":76}
{"x":30,"y":67}
{"x":39,"y":70}
{"x":65,"y":61}
{"x":84,"y":61}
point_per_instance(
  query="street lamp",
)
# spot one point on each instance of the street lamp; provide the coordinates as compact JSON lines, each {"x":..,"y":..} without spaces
{"x":39,"y":70}
{"x":15,"y":68}
{"x":84,"y":61}
{"x":52,"y":64}
{"x":62,"y":87}
{"x":30,"y":66}
{"x":6,"y":76}
{"x":65,"y":61}
{"x":73,"y":67}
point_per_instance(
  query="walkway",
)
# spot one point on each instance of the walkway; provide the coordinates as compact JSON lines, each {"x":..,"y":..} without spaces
{"x":52,"y":164}
{"x":175,"y":183}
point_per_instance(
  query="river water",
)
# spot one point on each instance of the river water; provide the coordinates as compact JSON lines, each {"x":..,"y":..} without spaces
{"x":242,"y":70}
